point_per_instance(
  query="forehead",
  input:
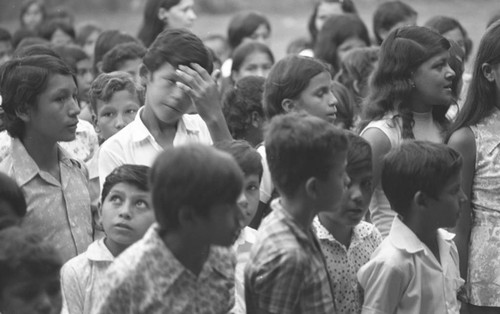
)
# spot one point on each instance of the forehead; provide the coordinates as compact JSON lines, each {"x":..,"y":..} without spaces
{"x":58,"y":82}
{"x":320,"y":80}
{"x":329,"y":8}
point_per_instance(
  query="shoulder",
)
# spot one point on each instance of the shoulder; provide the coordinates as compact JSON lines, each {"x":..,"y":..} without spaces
{"x":463,"y":140}
{"x":75,"y":266}
{"x":369,"y":232}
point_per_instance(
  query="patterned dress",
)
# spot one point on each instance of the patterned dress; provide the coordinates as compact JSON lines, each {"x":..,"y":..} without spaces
{"x":484,"y":246}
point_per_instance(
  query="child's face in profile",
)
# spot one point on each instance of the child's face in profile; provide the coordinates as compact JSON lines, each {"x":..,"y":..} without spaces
{"x":317,"y":99}
{"x":55,"y":116}
{"x":163,"y":97}
{"x":249,"y":198}
{"x":114,"y":115}
{"x":223,"y":224}
{"x":355,"y":200}
{"x":329,"y":191}
{"x":27,"y":294}
{"x":126,"y":215}
{"x":444,"y":210}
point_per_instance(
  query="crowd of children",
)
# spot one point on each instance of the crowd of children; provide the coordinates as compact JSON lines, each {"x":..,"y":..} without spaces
{"x":168,"y":173}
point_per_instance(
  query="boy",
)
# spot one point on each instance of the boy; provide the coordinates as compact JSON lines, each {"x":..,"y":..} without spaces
{"x":115,"y":99}
{"x":126,"y":57}
{"x":184,"y":263}
{"x":176,"y":72}
{"x":415,"y":269}
{"x":346,"y":241}
{"x":286,"y":272}
{"x":125,"y":214}
{"x":29,"y":273}
{"x":249,"y":161}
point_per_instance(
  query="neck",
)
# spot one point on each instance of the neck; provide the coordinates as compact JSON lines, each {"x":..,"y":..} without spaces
{"x":190,"y":251}
{"x":44,"y":153}
{"x":115,"y":248}
{"x":418,"y":106}
{"x":302,"y":214}
{"x":339,"y":231}
{"x":424,"y":233}
{"x":157,"y":128}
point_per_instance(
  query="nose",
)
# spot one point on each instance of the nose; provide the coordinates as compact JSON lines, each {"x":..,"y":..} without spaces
{"x":192,"y":15}
{"x":462,"y":197}
{"x":88,"y":77}
{"x":74,"y":107}
{"x":332,"y":100}
{"x":119,"y":122}
{"x":44,"y":304}
{"x":125,"y":211}
{"x":242,"y":201}
{"x":355,"y":193}
{"x":450,"y":74}
{"x":260,"y":72}
{"x":347,"y":181}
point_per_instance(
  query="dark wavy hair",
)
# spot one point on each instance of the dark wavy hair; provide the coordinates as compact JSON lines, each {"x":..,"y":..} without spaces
{"x":151,"y":24}
{"x":389,"y":14}
{"x":22,"y":80}
{"x":444,"y":24}
{"x":243,"y":25}
{"x":401,"y":53}
{"x":482,"y":95}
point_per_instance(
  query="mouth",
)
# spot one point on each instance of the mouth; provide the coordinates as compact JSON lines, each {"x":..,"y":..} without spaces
{"x":123,"y":226}
{"x":173,"y":108}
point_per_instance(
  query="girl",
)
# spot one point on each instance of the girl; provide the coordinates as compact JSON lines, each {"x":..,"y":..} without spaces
{"x":323,"y":10}
{"x":243,"y":27}
{"x":252,"y":58}
{"x":410,"y":92}
{"x":475,"y":135}
{"x":32,"y":14}
{"x":339,"y":35}
{"x":344,"y":105}
{"x":39,"y":99}
{"x":295,"y":83}
{"x":451,"y":29}
{"x":162,"y":14}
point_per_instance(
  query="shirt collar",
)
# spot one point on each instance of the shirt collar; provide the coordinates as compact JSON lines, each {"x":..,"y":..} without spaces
{"x":25,"y":167}
{"x":283,"y":215}
{"x":98,"y":252}
{"x":358,"y":233}
{"x":404,"y":239}
{"x":141,"y":132}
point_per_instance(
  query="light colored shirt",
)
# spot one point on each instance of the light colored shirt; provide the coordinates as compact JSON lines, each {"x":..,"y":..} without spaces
{"x":286,"y":272}
{"x":343,"y":263}
{"x":242,"y":246}
{"x":58,"y":211}
{"x":404,"y":277}
{"x":134,"y":144}
{"x":148,"y":278}
{"x":81,"y":148}
{"x":80,"y":277}
{"x":425,"y":129}
{"x":266,"y":183}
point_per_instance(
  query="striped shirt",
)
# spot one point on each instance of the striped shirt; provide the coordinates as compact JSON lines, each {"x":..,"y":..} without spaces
{"x":286,"y":272}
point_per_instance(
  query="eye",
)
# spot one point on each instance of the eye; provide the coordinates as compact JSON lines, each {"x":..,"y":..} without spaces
{"x":366,"y":184}
{"x":115,"y":199}
{"x":107,"y":114}
{"x":131,"y":111}
{"x":252,"y":187}
{"x":142,"y":204}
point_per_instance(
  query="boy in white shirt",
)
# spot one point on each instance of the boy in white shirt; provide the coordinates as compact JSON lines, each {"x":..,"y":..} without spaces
{"x":416,"y":269}
{"x":125,"y":213}
{"x":175,"y":71}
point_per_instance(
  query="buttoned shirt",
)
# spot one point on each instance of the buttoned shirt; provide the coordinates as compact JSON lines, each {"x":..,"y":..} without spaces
{"x":242,"y":246}
{"x":148,"y":278}
{"x":343,"y":263}
{"x":81,"y":148}
{"x":286,"y":272}
{"x":80,"y":277}
{"x":404,"y":277}
{"x":134,"y":144}
{"x":58,"y":211}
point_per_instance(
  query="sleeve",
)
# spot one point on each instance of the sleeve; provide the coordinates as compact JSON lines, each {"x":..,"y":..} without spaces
{"x":275,"y":287}
{"x":110,"y":157}
{"x":383,"y":285}
{"x":71,"y":289}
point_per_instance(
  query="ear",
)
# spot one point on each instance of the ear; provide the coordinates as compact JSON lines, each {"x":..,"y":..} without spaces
{"x":186,"y":216}
{"x":311,"y":188}
{"x":99,"y":214}
{"x":256,"y":119}
{"x":162,"y":14}
{"x":23,"y":113}
{"x":289,"y":105}
{"x":355,"y":86}
{"x":98,"y":65}
{"x":420,"y":199}
{"x":488,"y":72}
{"x":144,"y":74}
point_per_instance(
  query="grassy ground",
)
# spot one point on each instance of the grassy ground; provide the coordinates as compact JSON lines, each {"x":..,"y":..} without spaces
{"x":289,"y":18}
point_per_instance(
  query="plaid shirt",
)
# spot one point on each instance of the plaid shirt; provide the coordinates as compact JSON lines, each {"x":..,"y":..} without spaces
{"x":286,"y":272}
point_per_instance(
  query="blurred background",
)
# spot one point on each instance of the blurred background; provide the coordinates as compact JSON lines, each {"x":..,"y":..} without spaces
{"x":288,"y":17}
